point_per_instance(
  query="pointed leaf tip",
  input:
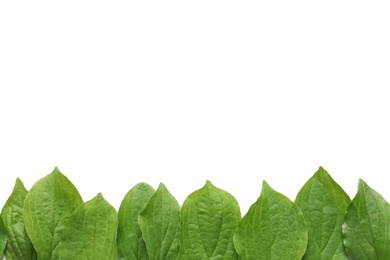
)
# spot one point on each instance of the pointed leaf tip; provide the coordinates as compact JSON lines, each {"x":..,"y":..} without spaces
{"x":209,"y":218}
{"x":260,"y":234}
{"x":161,"y":186}
{"x":265,"y":185}
{"x":323,"y":204}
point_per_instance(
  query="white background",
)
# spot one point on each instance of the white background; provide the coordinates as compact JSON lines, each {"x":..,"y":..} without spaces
{"x":115,"y":93}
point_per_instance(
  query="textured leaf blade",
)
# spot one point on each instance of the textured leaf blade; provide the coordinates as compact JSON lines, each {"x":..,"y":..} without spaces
{"x":273,"y":228}
{"x":131,"y":245}
{"x":323,"y":204}
{"x":47,"y":208}
{"x":160,"y":225}
{"x":90,"y":232}
{"x":209,"y":218}
{"x":19,"y":245}
{"x":367,"y":225}
{"x":3,"y":237}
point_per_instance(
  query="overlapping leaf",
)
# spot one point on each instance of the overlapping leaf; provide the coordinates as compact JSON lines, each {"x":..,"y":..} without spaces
{"x":151,"y":225}
{"x":273,"y":228}
{"x":131,"y":245}
{"x":209,"y":218}
{"x":47,"y":208}
{"x":90,"y":233}
{"x":160,"y":225}
{"x":367,"y":225}
{"x":19,"y":245}
{"x":323,"y":203}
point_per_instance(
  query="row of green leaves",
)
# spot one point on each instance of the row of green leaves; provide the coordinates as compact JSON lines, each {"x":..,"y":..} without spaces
{"x":52,"y":222}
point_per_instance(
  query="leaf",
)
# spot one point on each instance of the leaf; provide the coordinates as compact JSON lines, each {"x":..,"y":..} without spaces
{"x":131,"y":245}
{"x":47,"y":208}
{"x":90,"y":232}
{"x":3,"y":237}
{"x":19,"y":244}
{"x":367,"y":225}
{"x":323,"y":203}
{"x":209,"y":218}
{"x":273,"y":228}
{"x":160,"y":225}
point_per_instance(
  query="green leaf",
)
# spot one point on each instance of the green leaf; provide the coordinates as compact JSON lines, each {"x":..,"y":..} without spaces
{"x":323,"y":203}
{"x":273,"y":228}
{"x":160,"y":225}
{"x":47,"y":208}
{"x":209,"y":218}
{"x":19,"y":245}
{"x":3,"y":236}
{"x":90,"y":233}
{"x":131,"y":245}
{"x":367,"y":225}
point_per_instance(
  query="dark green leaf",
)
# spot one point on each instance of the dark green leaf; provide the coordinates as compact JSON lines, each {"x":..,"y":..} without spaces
{"x":131,"y":245}
{"x":160,"y":224}
{"x":367,"y":225}
{"x":209,"y":218}
{"x":273,"y":228}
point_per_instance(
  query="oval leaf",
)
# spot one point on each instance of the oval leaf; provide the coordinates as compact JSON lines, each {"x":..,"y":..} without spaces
{"x":323,"y":204}
{"x":209,"y":218}
{"x":160,"y":223}
{"x":47,"y":208}
{"x":131,"y":245}
{"x":19,"y":245}
{"x":366,"y":228}
{"x":273,"y":228}
{"x":90,"y":232}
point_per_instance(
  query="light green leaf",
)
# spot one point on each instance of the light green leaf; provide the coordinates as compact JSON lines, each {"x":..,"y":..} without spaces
{"x":160,"y":225}
{"x":90,"y":233}
{"x":3,"y":237}
{"x":19,"y":245}
{"x":323,"y":203}
{"x":47,"y":208}
{"x":209,"y":218}
{"x":273,"y":228}
{"x":367,"y":225}
{"x":131,"y":245}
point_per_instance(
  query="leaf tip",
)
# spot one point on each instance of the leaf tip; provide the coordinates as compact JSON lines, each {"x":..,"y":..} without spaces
{"x":321,"y":172}
{"x":161,"y":186}
{"x":362,"y":184}
{"x":265,"y":186}
{"x":99,"y":196}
